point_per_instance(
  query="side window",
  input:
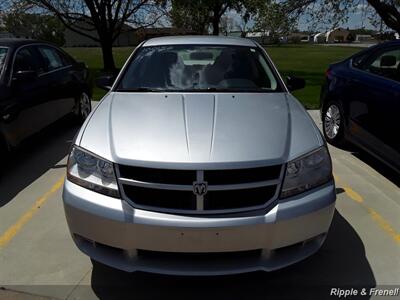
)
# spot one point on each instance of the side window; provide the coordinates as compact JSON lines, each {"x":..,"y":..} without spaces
{"x":26,"y":59}
{"x":67,"y":60}
{"x":358,"y":60}
{"x":52,"y":59}
{"x":386,"y":64}
{"x":3,"y":55}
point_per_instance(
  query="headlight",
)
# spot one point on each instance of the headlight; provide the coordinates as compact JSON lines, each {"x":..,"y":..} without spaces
{"x":307,"y":172}
{"x":92,"y":172}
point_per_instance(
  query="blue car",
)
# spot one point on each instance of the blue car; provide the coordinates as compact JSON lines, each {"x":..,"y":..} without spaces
{"x":360,"y":102}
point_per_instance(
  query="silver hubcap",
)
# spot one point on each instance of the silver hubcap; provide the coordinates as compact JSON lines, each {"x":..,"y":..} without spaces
{"x":84,"y":105}
{"x":332,"y":121}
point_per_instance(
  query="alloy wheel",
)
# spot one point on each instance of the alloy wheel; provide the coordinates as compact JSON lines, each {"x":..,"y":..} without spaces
{"x":84,"y":105}
{"x":332,"y":121}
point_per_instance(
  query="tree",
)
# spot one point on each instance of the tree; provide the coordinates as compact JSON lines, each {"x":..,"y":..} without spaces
{"x":47,"y":28}
{"x":191,"y":15}
{"x":337,"y":11}
{"x":217,"y":9}
{"x":273,"y":19}
{"x":226,"y":25}
{"x":106,"y":18}
{"x":209,"y":12}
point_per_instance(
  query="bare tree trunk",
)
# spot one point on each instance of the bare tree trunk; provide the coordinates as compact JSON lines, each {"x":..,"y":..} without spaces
{"x":388,"y":12}
{"x":108,"y":58}
{"x":215,"y":21}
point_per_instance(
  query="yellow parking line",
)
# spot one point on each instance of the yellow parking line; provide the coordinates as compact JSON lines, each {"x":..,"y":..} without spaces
{"x":10,"y":233}
{"x":353,"y":194}
{"x":384,"y":225}
{"x":376,"y":217}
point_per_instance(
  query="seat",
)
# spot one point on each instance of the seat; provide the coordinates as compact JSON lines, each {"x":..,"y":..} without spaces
{"x":158,"y":67}
{"x":215,"y":73}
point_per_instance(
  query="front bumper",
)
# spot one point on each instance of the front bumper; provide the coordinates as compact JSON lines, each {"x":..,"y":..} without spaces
{"x":111,"y":231}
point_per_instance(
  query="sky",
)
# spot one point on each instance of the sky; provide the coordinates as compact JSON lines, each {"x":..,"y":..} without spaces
{"x":356,"y":20}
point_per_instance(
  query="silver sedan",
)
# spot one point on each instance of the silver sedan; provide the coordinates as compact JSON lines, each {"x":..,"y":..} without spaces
{"x":199,"y":161}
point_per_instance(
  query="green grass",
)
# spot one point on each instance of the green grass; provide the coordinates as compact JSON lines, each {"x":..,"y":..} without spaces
{"x":93,"y":59}
{"x":307,"y":61}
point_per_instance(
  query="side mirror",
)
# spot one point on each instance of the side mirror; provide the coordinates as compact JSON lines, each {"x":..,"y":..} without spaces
{"x":24,"y":76}
{"x":295,"y":83}
{"x":105,"y":82}
{"x":388,"y":61}
{"x":81,"y":65}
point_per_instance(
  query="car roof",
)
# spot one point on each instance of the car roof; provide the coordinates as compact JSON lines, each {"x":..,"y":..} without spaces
{"x":199,"y":40}
{"x":16,"y":42}
{"x":393,"y":42}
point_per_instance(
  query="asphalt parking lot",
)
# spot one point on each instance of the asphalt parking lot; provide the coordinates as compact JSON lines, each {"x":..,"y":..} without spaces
{"x":38,"y":259}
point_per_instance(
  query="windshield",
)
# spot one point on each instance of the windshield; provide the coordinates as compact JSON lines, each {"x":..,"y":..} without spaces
{"x":199,"y":68}
{"x":3,"y":53}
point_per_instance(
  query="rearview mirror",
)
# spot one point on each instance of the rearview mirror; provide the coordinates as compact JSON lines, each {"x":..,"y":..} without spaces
{"x":24,"y":76}
{"x":201,"y":56}
{"x":105,"y":82}
{"x":295,"y":83}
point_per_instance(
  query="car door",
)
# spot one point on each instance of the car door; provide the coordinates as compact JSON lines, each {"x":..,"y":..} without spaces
{"x":60,"y":84}
{"x":21,"y":108}
{"x":374,"y":102}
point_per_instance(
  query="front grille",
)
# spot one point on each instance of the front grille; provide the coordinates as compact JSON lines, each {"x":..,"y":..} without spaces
{"x":204,"y":257}
{"x":168,"y":199}
{"x":242,"y":175}
{"x":158,"y":175}
{"x":232,"y":199}
{"x":232,"y":190}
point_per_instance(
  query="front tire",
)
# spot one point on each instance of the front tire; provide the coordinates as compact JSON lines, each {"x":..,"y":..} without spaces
{"x":83,"y":107}
{"x":333,"y":124}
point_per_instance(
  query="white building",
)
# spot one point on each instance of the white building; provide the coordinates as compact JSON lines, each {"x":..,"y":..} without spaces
{"x":338,"y":35}
{"x":320,"y":38}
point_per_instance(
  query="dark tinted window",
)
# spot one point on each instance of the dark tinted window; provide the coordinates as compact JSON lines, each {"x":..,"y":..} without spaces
{"x":359,"y":60}
{"x":184,"y":68}
{"x":27,"y":59}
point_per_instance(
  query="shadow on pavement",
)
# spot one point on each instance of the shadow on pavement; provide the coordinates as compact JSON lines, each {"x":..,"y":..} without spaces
{"x":34,"y":157}
{"x":341,"y":262}
{"x":379,"y":166}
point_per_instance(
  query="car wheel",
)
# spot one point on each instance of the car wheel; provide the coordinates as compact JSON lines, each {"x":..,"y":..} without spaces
{"x":83,"y":107}
{"x":333,"y":123}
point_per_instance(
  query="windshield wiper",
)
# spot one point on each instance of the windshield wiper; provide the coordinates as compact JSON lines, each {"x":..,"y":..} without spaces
{"x":139,"y":90}
{"x":228,"y":90}
{"x":194,"y":90}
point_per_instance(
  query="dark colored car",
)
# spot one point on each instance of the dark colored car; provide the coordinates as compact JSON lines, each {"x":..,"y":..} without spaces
{"x":360,"y":102}
{"x":39,"y":84}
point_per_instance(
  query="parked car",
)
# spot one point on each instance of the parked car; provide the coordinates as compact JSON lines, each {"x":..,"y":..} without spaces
{"x":39,"y":84}
{"x":199,"y":161}
{"x":360,"y":102}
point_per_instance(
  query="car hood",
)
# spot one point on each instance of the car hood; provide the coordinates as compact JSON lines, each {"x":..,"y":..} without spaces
{"x":155,"y":130}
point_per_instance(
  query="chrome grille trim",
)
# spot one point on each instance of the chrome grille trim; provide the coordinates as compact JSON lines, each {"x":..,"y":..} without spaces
{"x":182,"y":187}
{"x":200,"y":200}
{"x":159,"y":186}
